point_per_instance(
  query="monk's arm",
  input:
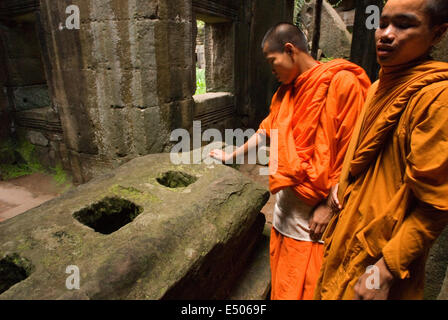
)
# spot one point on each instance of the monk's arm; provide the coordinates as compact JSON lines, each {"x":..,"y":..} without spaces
{"x":349,"y":96}
{"x":417,"y":233}
{"x":426,"y":174}
{"x":345,"y":100}
{"x":229,"y":157}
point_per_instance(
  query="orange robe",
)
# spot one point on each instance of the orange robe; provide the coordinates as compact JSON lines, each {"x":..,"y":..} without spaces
{"x":314,"y":117}
{"x":394,"y":184}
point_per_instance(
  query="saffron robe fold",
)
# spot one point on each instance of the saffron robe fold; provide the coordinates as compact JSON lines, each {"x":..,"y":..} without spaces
{"x":394,"y":184}
{"x":314,"y":117}
{"x":295,"y":267}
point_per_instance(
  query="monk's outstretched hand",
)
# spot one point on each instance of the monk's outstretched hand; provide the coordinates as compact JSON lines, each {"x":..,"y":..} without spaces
{"x":220,"y":155}
{"x":370,"y":288}
{"x":319,"y":220}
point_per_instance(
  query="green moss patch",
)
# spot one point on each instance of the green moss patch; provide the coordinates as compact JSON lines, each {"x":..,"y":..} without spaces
{"x":18,"y":158}
{"x":176,"y":179}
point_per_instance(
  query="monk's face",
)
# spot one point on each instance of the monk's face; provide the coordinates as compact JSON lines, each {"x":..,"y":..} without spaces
{"x":282,"y":64}
{"x":404,"y":34}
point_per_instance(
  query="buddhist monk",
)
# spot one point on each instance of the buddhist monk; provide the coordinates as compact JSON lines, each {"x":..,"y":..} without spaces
{"x":313,"y":113}
{"x":393,"y":189}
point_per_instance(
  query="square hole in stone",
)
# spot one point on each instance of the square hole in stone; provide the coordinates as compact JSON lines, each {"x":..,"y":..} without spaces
{"x":13,"y":269}
{"x":108,"y":215}
{"x":176,"y":179}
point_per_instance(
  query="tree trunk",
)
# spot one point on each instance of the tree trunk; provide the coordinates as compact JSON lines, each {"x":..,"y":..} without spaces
{"x":363,"y":50}
{"x":316,"y":33}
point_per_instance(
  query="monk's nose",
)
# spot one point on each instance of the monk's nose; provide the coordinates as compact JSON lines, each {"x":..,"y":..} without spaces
{"x":387,"y":35}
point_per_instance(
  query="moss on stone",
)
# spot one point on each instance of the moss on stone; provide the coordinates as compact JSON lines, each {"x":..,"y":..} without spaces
{"x":125,"y":191}
{"x":176,"y":179}
{"x":108,"y":215}
{"x":18,"y":158}
{"x":132,"y":193}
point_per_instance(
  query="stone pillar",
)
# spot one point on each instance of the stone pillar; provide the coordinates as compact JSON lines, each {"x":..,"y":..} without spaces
{"x":121,"y":81}
{"x":220,"y":55}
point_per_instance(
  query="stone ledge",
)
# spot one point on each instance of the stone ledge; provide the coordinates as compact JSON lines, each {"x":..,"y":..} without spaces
{"x":215,"y":9}
{"x":40,"y":118}
{"x":213,"y":107}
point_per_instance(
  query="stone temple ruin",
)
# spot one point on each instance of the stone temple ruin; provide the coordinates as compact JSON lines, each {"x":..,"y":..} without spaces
{"x":95,"y":97}
{"x":101,"y":99}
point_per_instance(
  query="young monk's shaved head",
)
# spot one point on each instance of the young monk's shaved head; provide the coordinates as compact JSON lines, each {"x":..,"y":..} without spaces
{"x":437,"y":11}
{"x":282,"y":33}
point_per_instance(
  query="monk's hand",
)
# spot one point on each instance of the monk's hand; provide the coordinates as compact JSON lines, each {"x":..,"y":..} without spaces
{"x":375,"y":284}
{"x":221,"y":155}
{"x":319,"y":220}
{"x":332,"y":200}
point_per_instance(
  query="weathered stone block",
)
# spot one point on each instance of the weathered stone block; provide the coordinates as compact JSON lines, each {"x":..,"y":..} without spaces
{"x":335,"y":40}
{"x":212,"y":101}
{"x":37,"y":138}
{"x":174,"y":83}
{"x":20,"y":41}
{"x":189,"y":242}
{"x":25,"y":71}
{"x":174,"y":43}
{"x":219,"y":48}
{"x":117,"y":9}
{"x":143,"y":44}
{"x":31,"y":97}
{"x":177,"y":10}
{"x":144,"y":84}
{"x":255,"y":284}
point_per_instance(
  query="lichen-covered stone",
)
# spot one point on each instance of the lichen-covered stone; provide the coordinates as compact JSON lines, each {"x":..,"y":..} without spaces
{"x":186,"y":243}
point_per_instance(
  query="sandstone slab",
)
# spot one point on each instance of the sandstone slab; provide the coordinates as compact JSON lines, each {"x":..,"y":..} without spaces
{"x":187,"y":233}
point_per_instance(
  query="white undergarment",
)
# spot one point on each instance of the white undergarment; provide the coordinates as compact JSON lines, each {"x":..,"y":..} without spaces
{"x":292,"y":215}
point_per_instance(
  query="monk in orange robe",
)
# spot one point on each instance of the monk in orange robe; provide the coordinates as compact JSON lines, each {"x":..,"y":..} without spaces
{"x":313,"y":115}
{"x":394,"y":184}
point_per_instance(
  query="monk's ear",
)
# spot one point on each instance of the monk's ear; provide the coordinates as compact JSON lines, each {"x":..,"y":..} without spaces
{"x":440,"y":31}
{"x":289,"y":48}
